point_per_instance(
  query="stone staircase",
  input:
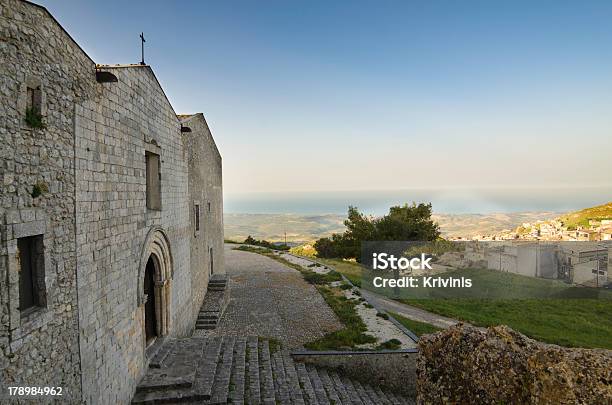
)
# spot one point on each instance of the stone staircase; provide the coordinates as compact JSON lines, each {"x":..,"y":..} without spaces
{"x":246,"y":370}
{"x":214,"y":303}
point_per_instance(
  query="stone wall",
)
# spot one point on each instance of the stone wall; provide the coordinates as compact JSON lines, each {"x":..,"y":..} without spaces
{"x":467,"y":365}
{"x":88,"y":166}
{"x":393,"y":371}
{"x":113,"y":131}
{"x":205,"y":190}
{"x":39,"y":347}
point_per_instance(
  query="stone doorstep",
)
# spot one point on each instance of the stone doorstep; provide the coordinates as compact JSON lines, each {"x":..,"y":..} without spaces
{"x":158,"y":360}
{"x":174,"y":366}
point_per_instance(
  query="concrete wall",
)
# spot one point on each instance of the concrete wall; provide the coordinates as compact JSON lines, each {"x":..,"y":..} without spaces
{"x":40,"y":349}
{"x":112,"y":133}
{"x":205,"y":189}
{"x":467,"y":365}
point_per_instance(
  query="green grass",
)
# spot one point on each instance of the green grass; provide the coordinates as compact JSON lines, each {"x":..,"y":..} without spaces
{"x":354,"y":328}
{"x":566,"y":321}
{"x":252,"y":249}
{"x":391,"y":344}
{"x":350,"y":270}
{"x":416,"y":327}
{"x":273,"y":343}
{"x":319,"y":278}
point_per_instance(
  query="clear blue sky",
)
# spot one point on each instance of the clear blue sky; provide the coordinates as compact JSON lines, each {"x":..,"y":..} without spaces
{"x":320,"y":95}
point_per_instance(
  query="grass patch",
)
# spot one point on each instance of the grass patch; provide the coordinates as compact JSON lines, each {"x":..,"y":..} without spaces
{"x":565,"y":320}
{"x":252,"y":249}
{"x":350,"y":270}
{"x":569,"y":322}
{"x":319,"y":278}
{"x":416,"y":327}
{"x":391,"y":344}
{"x":273,"y":343}
{"x":354,"y":332}
{"x":382,"y":315}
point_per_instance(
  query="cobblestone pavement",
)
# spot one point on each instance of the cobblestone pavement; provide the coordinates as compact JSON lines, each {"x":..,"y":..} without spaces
{"x":271,"y":300}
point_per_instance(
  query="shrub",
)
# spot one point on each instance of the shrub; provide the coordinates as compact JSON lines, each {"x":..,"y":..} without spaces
{"x":34,"y":119}
{"x":39,"y":189}
{"x":391,"y":344}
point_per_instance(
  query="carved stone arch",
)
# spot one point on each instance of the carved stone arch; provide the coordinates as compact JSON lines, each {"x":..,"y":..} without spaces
{"x":157,"y":247}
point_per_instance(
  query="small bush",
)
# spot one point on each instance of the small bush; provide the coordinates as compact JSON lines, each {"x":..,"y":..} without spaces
{"x":34,"y":119}
{"x":382,"y":315}
{"x":368,"y":306}
{"x":39,"y":189}
{"x":391,"y":344}
{"x":264,"y":243}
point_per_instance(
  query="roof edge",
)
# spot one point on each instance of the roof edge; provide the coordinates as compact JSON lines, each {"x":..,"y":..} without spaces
{"x":61,"y":26}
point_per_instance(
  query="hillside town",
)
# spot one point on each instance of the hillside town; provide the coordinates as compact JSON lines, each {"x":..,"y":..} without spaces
{"x":553,"y":230}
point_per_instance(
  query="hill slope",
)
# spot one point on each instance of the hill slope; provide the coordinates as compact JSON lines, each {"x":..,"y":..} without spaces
{"x":582,"y":217}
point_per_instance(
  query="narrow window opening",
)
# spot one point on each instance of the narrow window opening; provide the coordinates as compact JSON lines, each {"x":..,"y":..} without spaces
{"x":197,"y":217}
{"x":31,"y":272}
{"x":34,"y":101}
{"x":153,"y":174}
{"x":208,"y":207}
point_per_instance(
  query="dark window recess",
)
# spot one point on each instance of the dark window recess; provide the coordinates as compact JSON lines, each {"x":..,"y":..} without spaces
{"x":153,"y":181}
{"x":34,"y":99}
{"x":209,"y":207}
{"x":197,"y":217}
{"x":31,"y":272}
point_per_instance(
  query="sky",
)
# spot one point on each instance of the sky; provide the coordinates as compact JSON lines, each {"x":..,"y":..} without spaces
{"x":320,"y":96}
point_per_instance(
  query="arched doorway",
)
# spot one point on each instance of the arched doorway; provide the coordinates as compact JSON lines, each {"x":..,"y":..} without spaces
{"x":150,"y":313}
{"x":155,"y":286}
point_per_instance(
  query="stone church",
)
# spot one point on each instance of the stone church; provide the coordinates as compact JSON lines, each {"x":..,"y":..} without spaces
{"x":111,"y":214}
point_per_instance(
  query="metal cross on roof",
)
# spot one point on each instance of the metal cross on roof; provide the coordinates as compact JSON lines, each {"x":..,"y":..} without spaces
{"x":142,"y":41}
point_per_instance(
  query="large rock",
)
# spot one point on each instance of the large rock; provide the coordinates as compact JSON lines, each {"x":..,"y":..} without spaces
{"x":464,"y":364}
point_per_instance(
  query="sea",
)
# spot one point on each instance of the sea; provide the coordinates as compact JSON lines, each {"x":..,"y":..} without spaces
{"x":443,"y":200}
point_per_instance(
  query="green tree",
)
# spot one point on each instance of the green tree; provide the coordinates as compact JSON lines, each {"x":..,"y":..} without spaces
{"x":406,"y":222}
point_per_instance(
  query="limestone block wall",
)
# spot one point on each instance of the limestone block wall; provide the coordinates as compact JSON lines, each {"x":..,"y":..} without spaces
{"x":39,"y":347}
{"x":112,"y":133}
{"x":467,"y":365}
{"x":206,"y":190}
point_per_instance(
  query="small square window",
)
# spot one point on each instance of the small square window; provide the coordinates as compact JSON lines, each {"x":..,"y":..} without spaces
{"x":31,"y":272}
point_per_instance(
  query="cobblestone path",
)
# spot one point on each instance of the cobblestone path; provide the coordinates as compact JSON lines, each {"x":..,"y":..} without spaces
{"x":271,"y":300}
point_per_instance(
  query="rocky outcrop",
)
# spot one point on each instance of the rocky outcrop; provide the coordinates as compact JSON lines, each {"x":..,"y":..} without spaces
{"x":464,"y":364}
